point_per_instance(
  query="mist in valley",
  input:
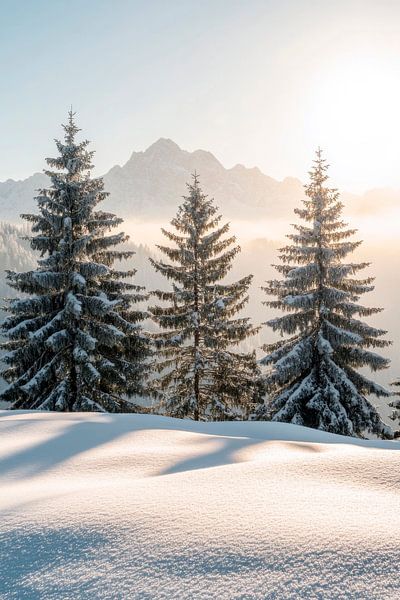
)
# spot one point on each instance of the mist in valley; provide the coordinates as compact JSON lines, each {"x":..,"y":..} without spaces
{"x":260,"y":241}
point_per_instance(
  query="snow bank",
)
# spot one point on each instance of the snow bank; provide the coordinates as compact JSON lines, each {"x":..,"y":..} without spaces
{"x":138,"y":506}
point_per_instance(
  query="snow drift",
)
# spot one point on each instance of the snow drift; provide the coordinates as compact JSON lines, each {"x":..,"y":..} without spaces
{"x":140,"y":506}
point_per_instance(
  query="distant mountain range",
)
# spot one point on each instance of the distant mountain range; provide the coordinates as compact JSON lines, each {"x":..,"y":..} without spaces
{"x":151,"y":183}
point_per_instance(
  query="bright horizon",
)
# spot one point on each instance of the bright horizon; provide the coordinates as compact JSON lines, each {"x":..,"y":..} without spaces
{"x":258,"y":83}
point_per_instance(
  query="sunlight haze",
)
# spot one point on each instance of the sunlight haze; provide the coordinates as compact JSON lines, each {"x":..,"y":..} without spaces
{"x":259,"y":83}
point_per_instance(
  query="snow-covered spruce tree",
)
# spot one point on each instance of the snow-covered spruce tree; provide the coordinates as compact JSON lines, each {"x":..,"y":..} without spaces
{"x":201,"y":375}
{"x":313,"y":378}
{"x":75,"y":343}
{"x":396,"y":405}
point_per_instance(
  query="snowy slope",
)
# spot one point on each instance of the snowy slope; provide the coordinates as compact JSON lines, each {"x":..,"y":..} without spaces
{"x":138,"y":506}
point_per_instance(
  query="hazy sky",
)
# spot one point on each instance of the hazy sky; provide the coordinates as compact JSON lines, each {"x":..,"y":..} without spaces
{"x":254,"y":81}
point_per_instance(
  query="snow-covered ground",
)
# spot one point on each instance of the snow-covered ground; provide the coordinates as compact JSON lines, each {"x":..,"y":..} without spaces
{"x":139,"y":506}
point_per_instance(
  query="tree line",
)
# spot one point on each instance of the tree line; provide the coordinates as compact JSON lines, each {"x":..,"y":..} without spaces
{"x":75,"y":335}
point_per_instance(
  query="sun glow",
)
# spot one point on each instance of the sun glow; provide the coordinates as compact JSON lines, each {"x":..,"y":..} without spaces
{"x":354,"y":112}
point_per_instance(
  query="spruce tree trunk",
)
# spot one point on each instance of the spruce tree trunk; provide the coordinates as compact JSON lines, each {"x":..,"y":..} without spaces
{"x":196,"y":337}
{"x":317,"y":356}
{"x":196,"y":385}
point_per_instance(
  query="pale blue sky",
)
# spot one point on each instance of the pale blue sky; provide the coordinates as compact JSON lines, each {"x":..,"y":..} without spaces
{"x":254,"y":81}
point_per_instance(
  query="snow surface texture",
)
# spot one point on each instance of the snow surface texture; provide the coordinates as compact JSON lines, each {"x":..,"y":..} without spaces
{"x":140,"y":506}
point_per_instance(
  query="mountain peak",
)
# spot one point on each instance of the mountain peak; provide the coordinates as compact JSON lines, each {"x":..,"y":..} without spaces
{"x":162,"y":148}
{"x":163,"y":145}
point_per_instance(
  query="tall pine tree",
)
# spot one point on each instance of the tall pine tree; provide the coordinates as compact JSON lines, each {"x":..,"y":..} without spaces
{"x":75,"y":342}
{"x":313,"y":378}
{"x":202,"y":376}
